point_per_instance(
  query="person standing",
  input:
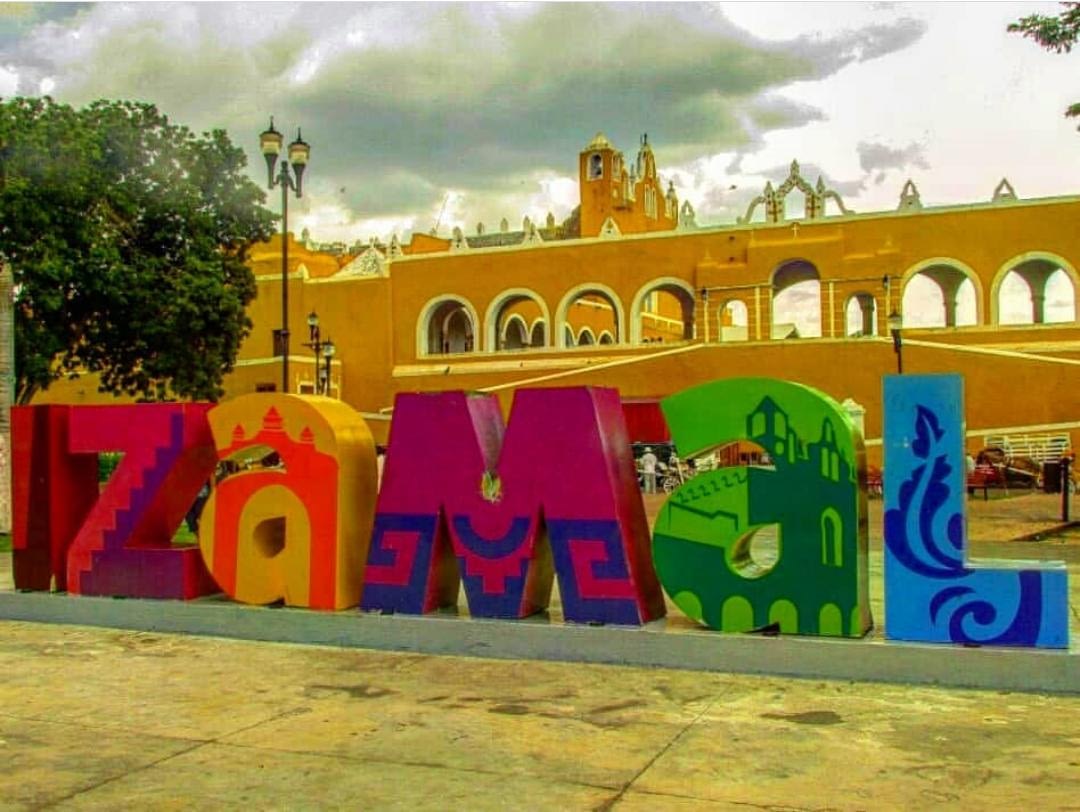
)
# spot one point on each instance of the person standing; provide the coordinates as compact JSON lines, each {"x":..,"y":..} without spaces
{"x":648,"y":469}
{"x":194,"y":513}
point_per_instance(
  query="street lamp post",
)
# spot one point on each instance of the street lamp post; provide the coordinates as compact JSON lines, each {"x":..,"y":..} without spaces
{"x":270,"y":142}
{"x":328,"y":349}
{"x":324,"y":352}
{"x":896,"y":324}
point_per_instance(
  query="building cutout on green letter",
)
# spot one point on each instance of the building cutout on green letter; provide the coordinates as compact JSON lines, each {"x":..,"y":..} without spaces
{"x":810,"y":501}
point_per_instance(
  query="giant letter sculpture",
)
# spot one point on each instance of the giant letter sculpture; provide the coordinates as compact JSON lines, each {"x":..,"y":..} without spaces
{"x":298,"y":531}
{"x":118,"y":543}
{"x":125,"y":545}
{"x":931,"y":593}
{"x":457,"y":498}
{"x":705,"y":536}
{"x":52,"y":491}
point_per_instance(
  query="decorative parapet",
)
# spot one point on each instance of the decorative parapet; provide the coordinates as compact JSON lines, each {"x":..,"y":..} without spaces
{"x":774,"y":200}
{"x":687,"y":217}
{"x":909,"y":197}
{"x":671,"y":203}
{"x":609,"y":230}
{"x":458,"y":241}
{"x":532,"y":233}
{"x":1004,"y":192}
{"x":369,"y":263}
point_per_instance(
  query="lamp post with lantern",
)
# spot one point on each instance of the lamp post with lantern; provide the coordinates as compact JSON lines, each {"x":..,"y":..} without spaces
{"x":324,"y":353}
{"x":896,"y":324}
{"x":270,"y":142}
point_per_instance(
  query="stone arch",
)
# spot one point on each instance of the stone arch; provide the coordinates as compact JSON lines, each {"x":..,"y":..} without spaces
{"x":568,"y":338}
{"x":786,"y":276}
{"x":515,"y":333}
{"x":576,"y":293}
{"x":860,"y":312}
{"x":682,"y":290}
{"x":496,"y":314}
{"x":948,"y":274}
{"x":447,"y":323}
{"x":586,"y":338}
{"x":733,"y":320}
{"x":1034,"y":265}
{"x":605,"y":338}
{"x":538,"y":333}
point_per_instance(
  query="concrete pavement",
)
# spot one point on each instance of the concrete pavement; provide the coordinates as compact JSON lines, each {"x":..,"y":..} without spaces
{"x":98,"y":719}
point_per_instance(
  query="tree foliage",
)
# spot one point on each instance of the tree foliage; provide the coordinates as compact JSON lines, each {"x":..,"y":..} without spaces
{"x":1058,"y":34}
{"x":127,"y":238}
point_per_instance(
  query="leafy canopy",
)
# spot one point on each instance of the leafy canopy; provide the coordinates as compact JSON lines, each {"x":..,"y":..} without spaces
{"x":1057,"y":34}
{"x":127,"y":238}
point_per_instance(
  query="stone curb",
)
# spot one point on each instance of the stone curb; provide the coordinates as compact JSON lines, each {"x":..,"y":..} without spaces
{"x":652,"y":646}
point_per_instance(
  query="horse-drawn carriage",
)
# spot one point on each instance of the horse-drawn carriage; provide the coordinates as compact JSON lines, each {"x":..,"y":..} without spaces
{"x":1022,"y":462}
{"x":1029,"y":460}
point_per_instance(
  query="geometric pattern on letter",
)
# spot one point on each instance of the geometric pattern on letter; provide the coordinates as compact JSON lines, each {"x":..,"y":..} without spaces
{"x":552,"y":493}
{"x":124,"y":547}
{"x":932,"y":593}
{"x":806,"y":500}
{"x":298,"y":531}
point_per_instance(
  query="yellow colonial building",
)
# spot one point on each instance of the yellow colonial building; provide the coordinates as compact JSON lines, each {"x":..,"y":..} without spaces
{"x":631,"y":292}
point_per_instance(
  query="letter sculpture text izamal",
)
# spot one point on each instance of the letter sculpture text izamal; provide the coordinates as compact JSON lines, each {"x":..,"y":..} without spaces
{"x":773,"y":539}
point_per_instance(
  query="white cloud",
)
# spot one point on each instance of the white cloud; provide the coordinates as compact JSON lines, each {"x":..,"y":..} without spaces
{"x":9,"y":81}
{"x":403,"y":103}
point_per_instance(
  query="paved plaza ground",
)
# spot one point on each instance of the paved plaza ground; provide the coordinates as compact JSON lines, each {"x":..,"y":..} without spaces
{"x":106,"y":719}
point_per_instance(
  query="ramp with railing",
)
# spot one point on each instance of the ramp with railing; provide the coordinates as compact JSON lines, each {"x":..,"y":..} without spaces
{"x":1039,"y":447}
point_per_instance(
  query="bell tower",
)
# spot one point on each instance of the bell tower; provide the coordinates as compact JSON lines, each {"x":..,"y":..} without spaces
{"x":630,"y":195}
{"x":598,"y":164}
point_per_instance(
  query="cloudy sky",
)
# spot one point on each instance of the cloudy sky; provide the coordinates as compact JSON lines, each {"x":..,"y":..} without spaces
{"x":485,"y":106}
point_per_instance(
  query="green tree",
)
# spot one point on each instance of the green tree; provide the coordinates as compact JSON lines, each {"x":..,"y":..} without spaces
{"x":1058,"y":34}
{"x":127,"y":237}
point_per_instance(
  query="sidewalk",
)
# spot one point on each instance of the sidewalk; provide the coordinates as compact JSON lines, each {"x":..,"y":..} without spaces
{"x":98,"y":719}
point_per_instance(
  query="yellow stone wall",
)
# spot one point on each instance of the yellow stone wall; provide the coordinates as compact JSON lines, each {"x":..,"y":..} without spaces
{"x":375,"y":321}
{"x":1022,"y":375}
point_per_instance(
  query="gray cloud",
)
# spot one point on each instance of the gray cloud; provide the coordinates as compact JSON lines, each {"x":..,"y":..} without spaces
{"x":18,"y":19}
{"x":873,"y":156}
{"x":875,"y":41}
{"x":810,"y":172}
{"x":403,"y":102}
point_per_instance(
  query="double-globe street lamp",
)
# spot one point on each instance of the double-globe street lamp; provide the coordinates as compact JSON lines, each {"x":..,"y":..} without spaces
{"x":299,"y":151}
{"x":324,"y":351}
